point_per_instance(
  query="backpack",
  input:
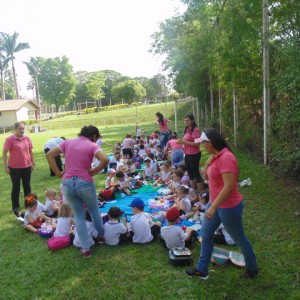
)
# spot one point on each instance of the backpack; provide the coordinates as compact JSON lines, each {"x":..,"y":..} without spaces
{"x":60,"y":242}
{"x":107,"y":195}
{"x":180,"y":256}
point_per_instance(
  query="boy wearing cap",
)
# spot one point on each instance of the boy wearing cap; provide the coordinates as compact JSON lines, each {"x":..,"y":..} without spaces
{"x":142,"y":228}
{"x":148,"y":170}
{"x":174,"y":236}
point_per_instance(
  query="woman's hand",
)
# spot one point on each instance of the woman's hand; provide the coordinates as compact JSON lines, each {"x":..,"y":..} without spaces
{"x":7,"y":170}
{"x":209,"y":214}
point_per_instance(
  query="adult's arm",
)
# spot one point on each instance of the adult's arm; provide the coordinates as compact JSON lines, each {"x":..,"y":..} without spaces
{"x":228,"y":181}
{"x":32,"y":160}
{"x":4,"y":158}
{"x":51,"y":160}
{"x":184,"y":142}
{"x":206,"y":166}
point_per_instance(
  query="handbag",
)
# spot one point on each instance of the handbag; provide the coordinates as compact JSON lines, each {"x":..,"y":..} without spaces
{"x":60,"y":242}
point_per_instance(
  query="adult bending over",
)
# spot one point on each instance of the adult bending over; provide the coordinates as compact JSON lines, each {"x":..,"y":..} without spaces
{"x":50,"y":144}
{"x":225,"y":204}
{"x":164,"y":134}
{"x":19,"y":165}
{"x":192,"y":151}
{"x":78,"y":186}
{"x":177,"y":153}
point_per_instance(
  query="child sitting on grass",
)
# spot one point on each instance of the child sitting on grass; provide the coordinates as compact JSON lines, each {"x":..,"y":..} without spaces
{"x":142,"y":228}
{"x":110,"y":180}
{"x":148,"y":171}
{"x":185,"y":180}
{"x":51,"y":204}
{"x":115,"y":229}
{"x":64,"y":220}
{"x":174,"y":236}
{"x":32,"y":220}
{"x":92,"y":232}
{"x":122,"y":184}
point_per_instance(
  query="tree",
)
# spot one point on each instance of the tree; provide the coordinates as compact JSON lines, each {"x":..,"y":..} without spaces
{"x":129,"y":90}
{"x":112,"y":79}
{"x":3,"y":67}
{"x":33,"y":67}
{"x":10,"y":46}
{"x":95,"y":85}
{"x":56,"y":81}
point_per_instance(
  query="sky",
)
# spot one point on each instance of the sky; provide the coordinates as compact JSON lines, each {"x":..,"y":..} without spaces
{"x":94,"y":34}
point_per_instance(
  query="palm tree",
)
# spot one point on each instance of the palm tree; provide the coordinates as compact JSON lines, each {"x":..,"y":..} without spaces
{"x":10,"y":46}
{"x":3,"y":66}
{"x":33,"y":67}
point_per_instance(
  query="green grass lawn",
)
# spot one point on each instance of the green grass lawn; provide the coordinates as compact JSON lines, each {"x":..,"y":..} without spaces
{"x":28,"y":270}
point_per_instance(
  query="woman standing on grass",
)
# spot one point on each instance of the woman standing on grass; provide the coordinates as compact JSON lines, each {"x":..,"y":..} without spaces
{"x":192,"y":153}
{"x":78,"y":186}
{"x":163,"y":128}
{"x":19,"y":165}
{"x":225,"y":205}
{"x":128,"y":144}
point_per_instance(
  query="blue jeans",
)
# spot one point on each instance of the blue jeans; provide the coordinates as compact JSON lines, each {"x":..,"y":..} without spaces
{"x":232,"y":221}
{"x":78,"y":192}
{"x":164,"y":138}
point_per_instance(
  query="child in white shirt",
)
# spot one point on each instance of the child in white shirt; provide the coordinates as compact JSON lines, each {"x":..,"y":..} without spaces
{"x":142,"y":228}
{"x":51,"y":204}
{"x":183,"y":202}
{"x":64,"y":220}
{"x":113,"y":229}
{"x":110,"y":180}
{"x":92,"y":232}
{"x":148,"y":170}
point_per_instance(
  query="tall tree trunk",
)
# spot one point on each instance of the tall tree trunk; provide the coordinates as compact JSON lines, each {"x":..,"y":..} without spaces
{"x":211,"y":94}
{"x":37,"y":93}
{"x":2,"y":86}
{"x":15,"y":79}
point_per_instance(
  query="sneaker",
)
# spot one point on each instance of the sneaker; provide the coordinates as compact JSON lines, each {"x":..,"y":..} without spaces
{"x":101,"y":240}
{"x":194,"y":272}
{"x":85,"y":253}
{"x":249,"y":274}
{"x":16,"y":212}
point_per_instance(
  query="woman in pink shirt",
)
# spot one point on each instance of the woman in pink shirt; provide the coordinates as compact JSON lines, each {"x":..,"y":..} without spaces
{"x":225,"y":205}
{"x":78,"y":187}
{"x":20,"y":163}
{"x":192,"y":151}
{"x":163,"y":129}
{"x":177,"y":153}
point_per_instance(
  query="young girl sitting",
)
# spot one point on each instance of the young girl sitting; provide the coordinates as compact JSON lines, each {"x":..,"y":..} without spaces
{"x":92,"y":232}
{"x":64,"y":220}
{"x":51,"y":204}
{"x":33,"y":221}
{"x":110,"y":180}
{"x":165,"y":174}
{"x":122,"y":184}
{"x":182,"y":202}
{"x":130,"y":168}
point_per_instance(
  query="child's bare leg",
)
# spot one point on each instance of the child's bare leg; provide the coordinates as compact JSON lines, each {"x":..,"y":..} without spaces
{"x":29,"y":227}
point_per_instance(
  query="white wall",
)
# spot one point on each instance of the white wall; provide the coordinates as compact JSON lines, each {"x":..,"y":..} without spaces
{"x":22,"y":113}
{"x":8,"y":118}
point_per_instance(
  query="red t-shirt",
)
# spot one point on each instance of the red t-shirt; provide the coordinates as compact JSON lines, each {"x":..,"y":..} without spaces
{"x":173,"y":145}
{"x":190,"y":136}
{"x":163,"y":127}
{"x":223,"y":162}
{"x":19,"y":151}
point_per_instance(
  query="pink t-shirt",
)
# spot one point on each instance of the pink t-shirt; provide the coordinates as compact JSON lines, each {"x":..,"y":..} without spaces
{"x":173,"y":145}
{"x":128,"y":143}
{"x":19,"y":151}
{"x":223,"y":162}
{"x":190,"y":137}
{"x":79,"y":154}
{"x":163,"y":127}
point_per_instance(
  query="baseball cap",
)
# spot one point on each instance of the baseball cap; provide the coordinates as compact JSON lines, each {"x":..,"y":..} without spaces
{"x":172,"y":214}
{"x":138,"y":203}
{"x":202,"y":138}
{"x":147,"y":159}
{"x":112,"y":171}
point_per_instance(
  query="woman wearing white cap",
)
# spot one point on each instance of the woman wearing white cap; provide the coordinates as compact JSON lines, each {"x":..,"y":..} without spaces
{"x":225,"y":205}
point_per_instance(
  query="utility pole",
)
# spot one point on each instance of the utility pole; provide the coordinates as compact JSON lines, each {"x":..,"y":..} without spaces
{"x":266,"y":79}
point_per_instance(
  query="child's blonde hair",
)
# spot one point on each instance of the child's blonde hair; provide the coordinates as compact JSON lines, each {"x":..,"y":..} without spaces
{"x":50,"y":192}
{"x":184,"y":189}
{"x":65,"y":210}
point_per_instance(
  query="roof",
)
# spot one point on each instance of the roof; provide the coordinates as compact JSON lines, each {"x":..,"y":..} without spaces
{"x":12,"y":105}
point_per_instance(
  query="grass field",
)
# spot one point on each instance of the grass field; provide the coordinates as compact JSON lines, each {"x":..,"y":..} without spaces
{"x":28,"y":270}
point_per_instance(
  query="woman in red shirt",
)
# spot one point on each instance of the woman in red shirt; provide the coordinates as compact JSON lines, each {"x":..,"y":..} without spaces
{"x":192,"y":153}
{"x":225,"y":204}
{"x":163,"y":128}
{"x":19,"y":165}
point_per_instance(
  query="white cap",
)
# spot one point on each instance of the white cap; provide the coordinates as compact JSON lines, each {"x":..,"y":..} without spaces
{"x":202,"y":138}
